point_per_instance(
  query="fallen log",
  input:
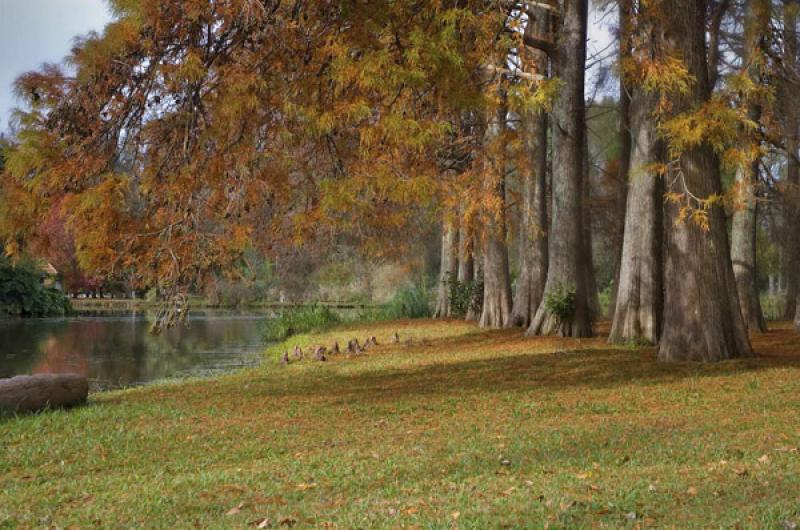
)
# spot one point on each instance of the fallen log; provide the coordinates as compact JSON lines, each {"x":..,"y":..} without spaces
{"x":32,"y":393}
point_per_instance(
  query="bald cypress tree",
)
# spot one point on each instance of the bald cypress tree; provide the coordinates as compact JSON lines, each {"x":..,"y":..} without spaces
{"x":702,"y":320}
{"x":566,"y":279}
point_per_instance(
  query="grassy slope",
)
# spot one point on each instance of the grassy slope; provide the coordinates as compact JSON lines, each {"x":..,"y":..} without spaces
{"x":413,"y":436}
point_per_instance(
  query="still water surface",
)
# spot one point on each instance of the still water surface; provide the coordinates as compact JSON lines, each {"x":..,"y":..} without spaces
{"x":118,"y":350}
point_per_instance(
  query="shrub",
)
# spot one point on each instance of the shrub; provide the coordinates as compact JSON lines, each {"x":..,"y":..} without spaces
{"x":465,"y":296}
{"x":313,"y":318}
{"x":561,"y":304}
{"x":22,"y":292}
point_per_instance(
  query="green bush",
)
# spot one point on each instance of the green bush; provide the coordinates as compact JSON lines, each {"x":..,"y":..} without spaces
{"x":465,"y":296}
{"x":22,"y":292}
{"x":561,"y":304}
{"x":313,"y":318}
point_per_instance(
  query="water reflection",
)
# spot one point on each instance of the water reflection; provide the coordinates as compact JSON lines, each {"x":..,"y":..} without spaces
{"x":118,"y":350}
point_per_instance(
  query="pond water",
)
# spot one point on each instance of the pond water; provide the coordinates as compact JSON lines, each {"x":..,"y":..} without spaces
{"x":118,"y":350}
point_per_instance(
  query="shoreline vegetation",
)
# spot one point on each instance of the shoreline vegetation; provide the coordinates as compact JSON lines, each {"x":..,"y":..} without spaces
{"x":454,"y":426}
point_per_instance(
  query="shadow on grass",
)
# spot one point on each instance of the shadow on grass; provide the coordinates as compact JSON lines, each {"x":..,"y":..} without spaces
{"x":588,"y":365}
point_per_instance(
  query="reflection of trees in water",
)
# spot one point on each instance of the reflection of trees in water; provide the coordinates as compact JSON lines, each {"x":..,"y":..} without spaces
{"x":121,"y":351}
{"x":20,"y":342}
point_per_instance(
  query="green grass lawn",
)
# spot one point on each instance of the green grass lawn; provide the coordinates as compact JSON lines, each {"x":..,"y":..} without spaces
{"x":460,"y":429}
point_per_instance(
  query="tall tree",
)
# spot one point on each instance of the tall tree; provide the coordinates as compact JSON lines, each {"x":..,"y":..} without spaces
{"x":565,"y":276}
{"x":533,"y":223}
{"x":448,"y":268}
{"x":496,"y":275}
{"x":466,"y":259}
{"x":637,"y":314}
{"x":743,"y":233}
{"x":625,"y":144}
{"x":701,"y":320}
{"x":791,"y":123}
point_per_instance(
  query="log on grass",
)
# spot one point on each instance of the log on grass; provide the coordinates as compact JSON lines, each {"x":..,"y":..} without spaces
{"x":32,"y":393}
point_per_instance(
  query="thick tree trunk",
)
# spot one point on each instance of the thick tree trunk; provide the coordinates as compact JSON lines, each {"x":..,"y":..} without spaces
{"x":32,"y":393}
{"x":448,"y":268}
{"x":533,"y":228}
{"x":702,"y":321}
{"x":496,"y":275}
{"x":791,"y":265}
{"x":637,"y":314}
{"x":566,"y":252}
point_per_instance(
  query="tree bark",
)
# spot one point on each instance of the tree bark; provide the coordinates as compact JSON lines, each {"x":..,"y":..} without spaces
{"x":533,"y":228}
{"x":466,"y":261}
{"x":533,"y":225}
{"x":625,"y":146}
{"x":637,"y":314}
{"x":33,"y":393}
{"x":448,"y":268}
{"x":566,"y":252}
{"x":496,"y":275}
{"x":590,"y":280}
{"x":797,"y":314}
{"x":702,"y":321}
{"x":474,"y":313}
{"x":743,"y":233}
{"x":743,"y":251}
{"x":791,"y":264}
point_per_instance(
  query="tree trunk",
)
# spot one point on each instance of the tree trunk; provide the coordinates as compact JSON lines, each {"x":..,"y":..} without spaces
{"x":797,"y":314}
{"x":625,"y":146}
{"x":637,"y":314}
{"x":32,"y":393}
{"x":791,"y":263}
{"x":702,"y":321}
{"x":448,"y":268}
{"x":466,"y":262}
{"x":533,"y":225}
{"x":474,"y":313}
{"x":590,"y":280}
{"x":566,"y":253}
{"x":743,"y":251}
{"x":496,"y":275}
{"x":743,"y":233}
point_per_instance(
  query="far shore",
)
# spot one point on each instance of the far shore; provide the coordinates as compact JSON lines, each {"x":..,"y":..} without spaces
{"x":129,"y":304}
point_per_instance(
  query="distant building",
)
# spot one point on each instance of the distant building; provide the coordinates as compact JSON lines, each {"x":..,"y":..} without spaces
{"x":49,"y":275}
